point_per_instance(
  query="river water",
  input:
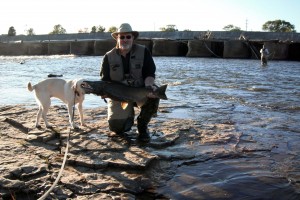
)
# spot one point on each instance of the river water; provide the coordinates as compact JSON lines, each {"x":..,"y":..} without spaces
{"x":263,"y":103}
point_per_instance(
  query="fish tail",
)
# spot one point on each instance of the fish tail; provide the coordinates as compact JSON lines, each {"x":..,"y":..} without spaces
{"x":161,"y":92}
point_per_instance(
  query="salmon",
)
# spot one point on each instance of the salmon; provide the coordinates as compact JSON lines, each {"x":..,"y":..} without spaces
{"x":123,"y":93}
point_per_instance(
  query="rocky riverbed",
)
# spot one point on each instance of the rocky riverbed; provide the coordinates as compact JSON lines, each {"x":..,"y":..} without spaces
{"x":102,"y":165}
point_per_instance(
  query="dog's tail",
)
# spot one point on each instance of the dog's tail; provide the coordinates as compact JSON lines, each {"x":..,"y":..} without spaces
{"x":30,"y":87}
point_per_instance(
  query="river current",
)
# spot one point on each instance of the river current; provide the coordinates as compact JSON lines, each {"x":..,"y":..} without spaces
{"x":263,"y":102}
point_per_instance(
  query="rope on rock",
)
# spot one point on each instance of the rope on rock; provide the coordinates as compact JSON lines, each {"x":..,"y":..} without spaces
{"x":65,"y":158}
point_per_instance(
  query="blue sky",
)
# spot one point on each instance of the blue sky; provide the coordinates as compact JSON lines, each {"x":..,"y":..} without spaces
{"x":195,"y":15}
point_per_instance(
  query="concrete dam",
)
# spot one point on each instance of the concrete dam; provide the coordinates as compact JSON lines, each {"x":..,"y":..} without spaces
{"x":219,"y":44}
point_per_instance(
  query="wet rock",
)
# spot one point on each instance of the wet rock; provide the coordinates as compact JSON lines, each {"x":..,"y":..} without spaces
{"x":102,"y":165}
{"x":11,"y":184}
{"x":111,"y":195}
{"x":32,"y":138}
{"x":160,"y":140}
{"x":27,"y":171}
{"x":132,"y":158}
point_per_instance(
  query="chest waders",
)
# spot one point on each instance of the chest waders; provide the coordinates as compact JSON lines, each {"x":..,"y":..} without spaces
{"x":264,"y":57}
{"x":121,"y":120}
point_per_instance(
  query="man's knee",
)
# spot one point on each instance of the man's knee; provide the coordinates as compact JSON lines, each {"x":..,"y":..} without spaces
{"x":120,"y":125}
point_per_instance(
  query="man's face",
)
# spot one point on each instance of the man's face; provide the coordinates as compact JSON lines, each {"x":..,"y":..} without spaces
{"x":125,"y":41}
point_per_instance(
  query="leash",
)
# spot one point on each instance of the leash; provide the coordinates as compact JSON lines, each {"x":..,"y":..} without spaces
{"x":65,"y":157}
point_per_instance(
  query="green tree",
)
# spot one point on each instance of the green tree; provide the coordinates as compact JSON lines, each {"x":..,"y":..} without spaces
{"x":278,"y":26}
{"x":58,"y":29}
{"x":94,"y":29}
{"x":169,"y":28}
{"x":98,"y":29}
{"x":12,"y":31}
{"x":112,"y":29}
{"x":231,"y":27}
{"x":30,"y":31}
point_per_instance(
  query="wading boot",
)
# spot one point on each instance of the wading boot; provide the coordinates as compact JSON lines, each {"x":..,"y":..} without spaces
{"x":144,"y":135}
{"x":147,"y":111}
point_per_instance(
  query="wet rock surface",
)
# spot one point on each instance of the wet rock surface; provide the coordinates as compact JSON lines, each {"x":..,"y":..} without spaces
{"x":102,"y":165}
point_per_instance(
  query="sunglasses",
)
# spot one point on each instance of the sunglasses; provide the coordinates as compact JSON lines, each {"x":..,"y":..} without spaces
{"x":128,"y":37}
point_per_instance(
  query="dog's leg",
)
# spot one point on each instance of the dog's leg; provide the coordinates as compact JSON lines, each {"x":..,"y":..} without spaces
{"x":38,"y":117}
{"x":71,"y":115}
{"x":80,"y":110}
{"x":46,"y":107}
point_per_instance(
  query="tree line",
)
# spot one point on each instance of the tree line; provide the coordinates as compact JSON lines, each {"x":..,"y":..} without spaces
{"x":59,"y":29}
{"x":269,"y":26}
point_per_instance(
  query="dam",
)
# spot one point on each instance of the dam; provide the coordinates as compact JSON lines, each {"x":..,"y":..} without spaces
{"x":218,"y":44}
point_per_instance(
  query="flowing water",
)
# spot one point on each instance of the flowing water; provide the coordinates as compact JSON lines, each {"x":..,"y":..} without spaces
{"x":263,"y":103}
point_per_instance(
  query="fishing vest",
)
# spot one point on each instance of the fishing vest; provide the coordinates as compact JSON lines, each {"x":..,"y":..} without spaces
{"x":121,"y":119}
{"x":135,"y":77}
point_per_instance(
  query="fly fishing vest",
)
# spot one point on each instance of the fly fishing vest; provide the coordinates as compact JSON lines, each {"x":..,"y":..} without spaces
{"x":119,"y":119}
{"x":134,"y":77}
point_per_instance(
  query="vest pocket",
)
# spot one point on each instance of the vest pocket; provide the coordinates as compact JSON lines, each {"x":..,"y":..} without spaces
{"x":136,"y":69}
{"x":116,"y":72}
{"x":114,"y":67}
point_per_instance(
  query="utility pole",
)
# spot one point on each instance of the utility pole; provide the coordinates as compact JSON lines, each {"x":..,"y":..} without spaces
{"x":246,"y":24}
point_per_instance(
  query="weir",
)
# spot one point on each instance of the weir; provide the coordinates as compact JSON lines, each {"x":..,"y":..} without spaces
{"x":219,"y":44}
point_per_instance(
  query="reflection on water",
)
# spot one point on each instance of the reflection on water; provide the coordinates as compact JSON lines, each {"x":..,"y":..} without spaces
{"x":263,"y":103}
{"x":228,"y":179}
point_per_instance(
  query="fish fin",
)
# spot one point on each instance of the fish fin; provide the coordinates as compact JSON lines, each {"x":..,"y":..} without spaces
{"x":124,"y":105}
{"x":161,"y":92}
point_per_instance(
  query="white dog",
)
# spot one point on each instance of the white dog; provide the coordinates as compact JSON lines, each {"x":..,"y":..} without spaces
{"x":61,"y":89}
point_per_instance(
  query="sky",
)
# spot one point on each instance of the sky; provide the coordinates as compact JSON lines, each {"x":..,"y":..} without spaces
{"x":194,"y":15}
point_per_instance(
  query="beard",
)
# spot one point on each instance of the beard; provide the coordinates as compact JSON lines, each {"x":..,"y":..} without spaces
{"x":125,"y":46}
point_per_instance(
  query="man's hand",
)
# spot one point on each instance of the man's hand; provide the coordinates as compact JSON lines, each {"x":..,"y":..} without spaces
{"x":149,"y":83}
{"x":151,"y":94}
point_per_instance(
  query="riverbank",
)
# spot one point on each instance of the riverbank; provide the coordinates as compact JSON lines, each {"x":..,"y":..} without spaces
{"x":101,"y":165}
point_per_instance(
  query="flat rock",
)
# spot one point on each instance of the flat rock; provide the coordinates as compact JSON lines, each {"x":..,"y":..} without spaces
{"x":102,"y":165}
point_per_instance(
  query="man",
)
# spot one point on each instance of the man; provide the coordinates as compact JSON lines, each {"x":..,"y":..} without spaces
{"x":264,"y":54}
{"x":130,"y":64}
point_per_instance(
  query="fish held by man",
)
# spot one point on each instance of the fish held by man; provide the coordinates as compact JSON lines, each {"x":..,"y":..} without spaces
{"x":123,"y":93}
